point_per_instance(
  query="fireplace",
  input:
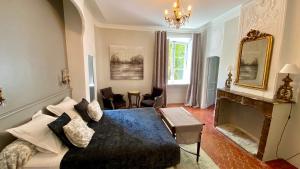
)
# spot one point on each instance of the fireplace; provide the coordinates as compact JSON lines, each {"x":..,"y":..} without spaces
{"x":252,"y":122}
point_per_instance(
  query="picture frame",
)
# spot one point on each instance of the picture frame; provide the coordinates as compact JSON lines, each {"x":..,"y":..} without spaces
{"x":126,"y":62}
{"x":254,"y":60}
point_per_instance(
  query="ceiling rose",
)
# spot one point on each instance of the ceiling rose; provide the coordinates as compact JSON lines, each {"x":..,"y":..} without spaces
{"x":178,"y":16}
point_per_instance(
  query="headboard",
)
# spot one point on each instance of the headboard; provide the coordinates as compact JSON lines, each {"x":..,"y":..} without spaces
{"x":23,"y":114}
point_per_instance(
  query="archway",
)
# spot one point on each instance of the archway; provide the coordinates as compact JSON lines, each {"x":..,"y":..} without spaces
{"x":74,"y":29}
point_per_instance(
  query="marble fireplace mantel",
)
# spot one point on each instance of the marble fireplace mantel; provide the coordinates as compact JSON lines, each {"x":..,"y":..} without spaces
{"x":259,"y":118}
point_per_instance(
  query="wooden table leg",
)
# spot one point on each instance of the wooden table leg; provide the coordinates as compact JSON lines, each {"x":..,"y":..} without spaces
{"x":129,"y":99}
{"x":173,"y":130}
{"x":198,"y":151}
{"x":138,"y":101}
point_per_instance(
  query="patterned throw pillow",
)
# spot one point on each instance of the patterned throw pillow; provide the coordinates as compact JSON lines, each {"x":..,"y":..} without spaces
{"x":94,"y":111}
{"x":17,"y":154}
{"x":78,"y":133}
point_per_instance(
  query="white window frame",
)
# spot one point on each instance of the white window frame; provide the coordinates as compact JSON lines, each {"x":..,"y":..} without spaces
{"x":172,"y":71}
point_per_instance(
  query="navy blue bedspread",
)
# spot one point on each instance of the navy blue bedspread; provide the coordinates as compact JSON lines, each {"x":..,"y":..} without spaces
{"x":126,"y":139}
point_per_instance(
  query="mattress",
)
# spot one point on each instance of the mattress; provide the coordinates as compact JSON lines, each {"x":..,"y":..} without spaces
{"x":45,"y":160}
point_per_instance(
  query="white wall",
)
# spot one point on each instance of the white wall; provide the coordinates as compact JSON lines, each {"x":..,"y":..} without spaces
{"x":105,"y":38}
{"x":79,"y":67}
{"x":176,"y":93}
{"x":108,"y":36}
{"x":89,"y":45}
{"x":74,"y":43}
{"x":260,"y":15}
{"x":230,"y":49}
{"x":291,"y":54}
{"x":285,"y":29}
{"x":214,"y":44}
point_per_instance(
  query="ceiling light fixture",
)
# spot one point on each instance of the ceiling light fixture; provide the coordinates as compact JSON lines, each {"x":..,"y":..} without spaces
{"x":179,"y":16}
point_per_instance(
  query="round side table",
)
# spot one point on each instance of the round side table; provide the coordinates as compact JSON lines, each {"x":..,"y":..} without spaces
{"x":136,"y":95}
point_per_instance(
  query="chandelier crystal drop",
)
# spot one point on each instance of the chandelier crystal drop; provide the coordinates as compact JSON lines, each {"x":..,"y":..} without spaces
{"x":178,"y":17}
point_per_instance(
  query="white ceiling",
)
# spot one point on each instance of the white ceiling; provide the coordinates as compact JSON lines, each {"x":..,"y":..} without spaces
{"x":151,"y":12}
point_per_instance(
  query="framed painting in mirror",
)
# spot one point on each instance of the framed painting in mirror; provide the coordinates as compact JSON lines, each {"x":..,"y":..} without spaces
{"x":254,"y":60}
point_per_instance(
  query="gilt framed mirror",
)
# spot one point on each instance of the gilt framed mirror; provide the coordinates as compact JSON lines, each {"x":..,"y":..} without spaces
{"x":254,"y":60}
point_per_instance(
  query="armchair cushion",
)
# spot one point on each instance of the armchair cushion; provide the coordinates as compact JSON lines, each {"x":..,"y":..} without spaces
{"x":156,"y":92}
{"x":111,"y":100}
{"x":118,"y":97}
{"x":108,"y":104}
{"x":148,"y":97}
{"x":107,"y":93}
{"x":154,"y":99}
{"x":147,"y":103}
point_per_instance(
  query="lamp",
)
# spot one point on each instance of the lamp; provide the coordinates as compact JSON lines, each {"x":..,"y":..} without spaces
{"x":2,"y":99}
{"x":65,"y":77}
{"x":285,"y":91}
{"x":229,"y":79}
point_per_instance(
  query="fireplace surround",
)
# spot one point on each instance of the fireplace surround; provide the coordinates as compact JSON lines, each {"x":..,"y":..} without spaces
{"x":254,"y":123}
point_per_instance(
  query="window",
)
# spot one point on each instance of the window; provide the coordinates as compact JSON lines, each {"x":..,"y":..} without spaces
{"x":179,"y":61}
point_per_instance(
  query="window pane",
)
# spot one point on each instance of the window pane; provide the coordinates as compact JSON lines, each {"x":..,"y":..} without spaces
{"x":179,"y":63}
{"x":178,"y":74}
{"x":180,"y":50}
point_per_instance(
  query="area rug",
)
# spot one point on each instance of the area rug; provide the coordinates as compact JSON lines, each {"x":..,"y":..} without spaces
{"x":188,"y":161}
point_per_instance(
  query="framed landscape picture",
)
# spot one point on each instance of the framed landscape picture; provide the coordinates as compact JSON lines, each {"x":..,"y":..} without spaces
{"x":254,"y":60}
{"x":126,"y":63}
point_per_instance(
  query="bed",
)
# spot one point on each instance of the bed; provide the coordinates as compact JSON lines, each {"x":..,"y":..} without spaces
{"x":127,"y":139}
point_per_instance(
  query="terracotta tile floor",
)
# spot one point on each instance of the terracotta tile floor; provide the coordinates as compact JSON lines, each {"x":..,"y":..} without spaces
{"x":225,"y":153}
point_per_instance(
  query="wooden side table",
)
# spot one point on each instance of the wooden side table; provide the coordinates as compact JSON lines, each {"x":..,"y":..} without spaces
{"x":137,"y":96}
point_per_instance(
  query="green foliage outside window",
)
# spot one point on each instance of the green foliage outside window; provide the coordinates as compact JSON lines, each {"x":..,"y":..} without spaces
{"x":177,"y":60}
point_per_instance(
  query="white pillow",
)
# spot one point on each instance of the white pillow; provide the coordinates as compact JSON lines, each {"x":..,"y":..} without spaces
{"x":78,"y":133}
{"x":66,"y":106}
{"x":37,"y":132}
{"x":37,"y":114}
{"x":94,"y":111}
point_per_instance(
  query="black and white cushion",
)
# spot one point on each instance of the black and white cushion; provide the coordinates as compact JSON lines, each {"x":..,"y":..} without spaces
{"x":78,"y":133}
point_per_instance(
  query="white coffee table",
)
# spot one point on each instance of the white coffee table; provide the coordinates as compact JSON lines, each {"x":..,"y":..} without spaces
{"x":185,"y":128}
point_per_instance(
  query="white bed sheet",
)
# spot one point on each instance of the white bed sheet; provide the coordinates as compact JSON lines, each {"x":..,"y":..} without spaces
{"x":45,"y":160}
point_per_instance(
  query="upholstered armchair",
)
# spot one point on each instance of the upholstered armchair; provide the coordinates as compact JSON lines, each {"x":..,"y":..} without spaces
{"x":155,"y":99}
{"x":111,"y":100}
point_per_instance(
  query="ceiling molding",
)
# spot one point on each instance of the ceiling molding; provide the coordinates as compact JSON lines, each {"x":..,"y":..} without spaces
{"x":145,"y":28}
{"x":232,"y":13}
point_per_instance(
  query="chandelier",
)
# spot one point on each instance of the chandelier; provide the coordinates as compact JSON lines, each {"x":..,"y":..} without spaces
{"x":178,"y":16}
